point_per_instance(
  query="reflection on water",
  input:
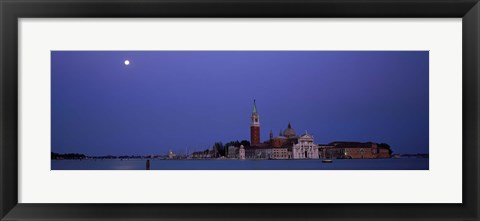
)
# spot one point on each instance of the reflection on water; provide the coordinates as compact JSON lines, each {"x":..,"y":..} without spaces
{"x":360,"y":164}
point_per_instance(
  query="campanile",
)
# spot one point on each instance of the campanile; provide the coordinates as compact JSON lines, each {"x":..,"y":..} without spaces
{"x":254,"y":126}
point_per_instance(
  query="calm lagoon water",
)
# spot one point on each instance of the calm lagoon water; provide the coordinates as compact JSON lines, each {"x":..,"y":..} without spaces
{"x":359,"y":164}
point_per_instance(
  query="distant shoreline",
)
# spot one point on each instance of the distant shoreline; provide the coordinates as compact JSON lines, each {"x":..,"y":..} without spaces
{"x":230,"y":159}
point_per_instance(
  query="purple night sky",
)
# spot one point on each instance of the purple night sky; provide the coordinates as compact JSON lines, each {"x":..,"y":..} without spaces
{"x":176,"y":100}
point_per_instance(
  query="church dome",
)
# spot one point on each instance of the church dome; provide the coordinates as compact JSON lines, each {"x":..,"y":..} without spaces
{"x":289,"y":132}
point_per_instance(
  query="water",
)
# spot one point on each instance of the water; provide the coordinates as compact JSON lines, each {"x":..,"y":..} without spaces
{"x":355,"y":164}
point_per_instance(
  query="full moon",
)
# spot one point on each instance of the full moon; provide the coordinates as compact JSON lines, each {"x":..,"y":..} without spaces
{"x":127,"y":62}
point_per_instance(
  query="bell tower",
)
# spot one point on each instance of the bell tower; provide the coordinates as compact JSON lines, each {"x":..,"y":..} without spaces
{"x":254,"y":126}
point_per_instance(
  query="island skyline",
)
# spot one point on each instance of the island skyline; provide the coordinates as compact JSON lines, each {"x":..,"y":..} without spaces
{"x":188,"y":100}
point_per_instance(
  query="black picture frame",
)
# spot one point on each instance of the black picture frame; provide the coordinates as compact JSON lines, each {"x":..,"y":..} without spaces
{"x":12,"y":10}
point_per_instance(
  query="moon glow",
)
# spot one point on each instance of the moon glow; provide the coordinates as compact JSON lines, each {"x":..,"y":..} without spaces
{"x":127,"y":62}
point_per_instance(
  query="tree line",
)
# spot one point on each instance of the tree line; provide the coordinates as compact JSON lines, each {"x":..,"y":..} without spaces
{"x":67,"y":156}
{"x":222,"y":149}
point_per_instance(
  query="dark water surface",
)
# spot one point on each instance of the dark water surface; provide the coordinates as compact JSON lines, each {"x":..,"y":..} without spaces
{"x":360,"y":164}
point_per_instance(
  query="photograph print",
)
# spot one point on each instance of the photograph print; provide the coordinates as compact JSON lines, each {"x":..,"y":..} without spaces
{"x":239,"y":110}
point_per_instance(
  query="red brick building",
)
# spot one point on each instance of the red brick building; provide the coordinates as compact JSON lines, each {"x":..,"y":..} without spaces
{"x":355,"y":150}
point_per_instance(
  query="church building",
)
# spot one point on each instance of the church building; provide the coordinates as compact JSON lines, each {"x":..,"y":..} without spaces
{"x":305,"y":148}
{"x":285,"y":146}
